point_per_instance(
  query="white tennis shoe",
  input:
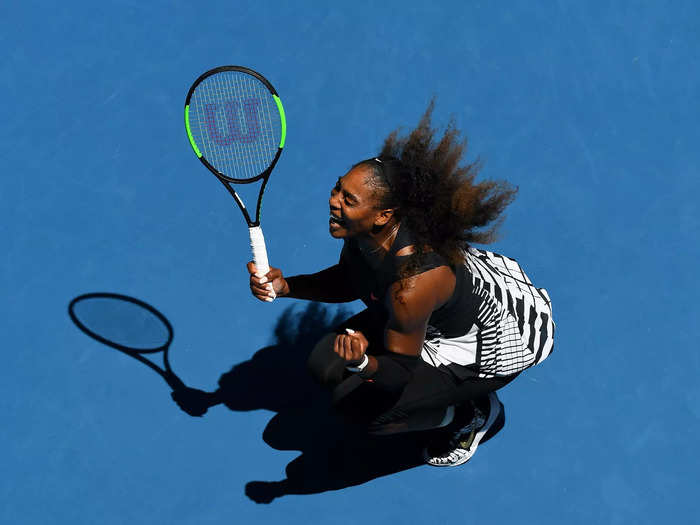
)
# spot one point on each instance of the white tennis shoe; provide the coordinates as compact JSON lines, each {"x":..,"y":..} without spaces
{"x":462,"y":444}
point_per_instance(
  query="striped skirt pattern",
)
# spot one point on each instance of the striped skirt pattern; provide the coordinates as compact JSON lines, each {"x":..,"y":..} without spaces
{"x":514,"y":328}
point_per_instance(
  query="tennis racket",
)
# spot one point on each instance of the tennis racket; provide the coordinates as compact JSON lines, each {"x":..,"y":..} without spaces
{"x":236,"y":126}
{"x":129,"y":325}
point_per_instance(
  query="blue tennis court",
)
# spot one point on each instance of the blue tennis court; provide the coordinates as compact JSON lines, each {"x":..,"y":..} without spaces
{"x":589,"y":108}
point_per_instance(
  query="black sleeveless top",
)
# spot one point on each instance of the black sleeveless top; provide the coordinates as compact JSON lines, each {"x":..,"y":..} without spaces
{"x":372,"y":276}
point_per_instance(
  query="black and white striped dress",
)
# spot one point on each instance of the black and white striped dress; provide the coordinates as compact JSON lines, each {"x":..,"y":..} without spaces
{"x":496,"y":323}
{"x":513,"y":328}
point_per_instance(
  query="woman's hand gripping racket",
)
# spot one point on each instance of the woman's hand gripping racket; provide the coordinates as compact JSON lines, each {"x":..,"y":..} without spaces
{"x":236,"y":125}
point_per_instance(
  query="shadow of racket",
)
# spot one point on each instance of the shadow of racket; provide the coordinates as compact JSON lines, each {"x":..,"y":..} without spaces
{"x":128,"y":325}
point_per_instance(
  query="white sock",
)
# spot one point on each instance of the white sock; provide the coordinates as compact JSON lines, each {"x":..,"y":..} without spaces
{"x":449,"y":416}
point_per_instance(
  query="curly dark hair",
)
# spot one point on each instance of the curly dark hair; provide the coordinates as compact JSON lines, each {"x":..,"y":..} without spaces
{"x":433,"y":194}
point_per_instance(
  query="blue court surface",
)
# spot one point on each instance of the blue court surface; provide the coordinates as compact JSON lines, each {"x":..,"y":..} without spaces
{"x":590,"y":108}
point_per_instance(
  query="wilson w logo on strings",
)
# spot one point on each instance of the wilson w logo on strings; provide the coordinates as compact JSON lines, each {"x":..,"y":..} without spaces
{"x":229,"y":131}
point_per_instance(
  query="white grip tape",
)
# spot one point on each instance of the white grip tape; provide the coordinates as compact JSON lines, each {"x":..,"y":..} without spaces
{"x":257,"y":245}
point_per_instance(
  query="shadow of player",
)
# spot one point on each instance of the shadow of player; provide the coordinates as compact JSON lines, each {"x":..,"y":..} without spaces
{"x":335,"y":453}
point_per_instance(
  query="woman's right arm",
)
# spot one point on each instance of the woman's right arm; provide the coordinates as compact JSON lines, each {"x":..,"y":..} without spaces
{"x":332,"y":285}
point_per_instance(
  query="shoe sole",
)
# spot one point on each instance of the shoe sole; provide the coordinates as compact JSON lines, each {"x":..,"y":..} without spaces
{"x":494,"y":423}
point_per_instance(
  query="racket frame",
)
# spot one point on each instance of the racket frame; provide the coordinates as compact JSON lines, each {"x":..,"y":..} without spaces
{"x":223,"y":178}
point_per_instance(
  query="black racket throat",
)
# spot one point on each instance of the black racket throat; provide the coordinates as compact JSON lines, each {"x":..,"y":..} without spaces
{"x":228,"y":181}
{"x":236,"y":125}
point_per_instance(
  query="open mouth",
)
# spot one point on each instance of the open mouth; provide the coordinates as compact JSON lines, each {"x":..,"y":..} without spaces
{"x":333,"y":220}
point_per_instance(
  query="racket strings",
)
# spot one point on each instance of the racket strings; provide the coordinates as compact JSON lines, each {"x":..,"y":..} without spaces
{"x":236,"y":123}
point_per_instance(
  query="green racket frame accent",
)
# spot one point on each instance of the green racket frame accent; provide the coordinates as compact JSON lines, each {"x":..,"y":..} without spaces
{"x":189,"y":132}
{"x":283,"y":118}
{"x":223,"y":178}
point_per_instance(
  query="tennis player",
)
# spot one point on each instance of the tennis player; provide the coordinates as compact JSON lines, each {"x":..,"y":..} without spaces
{"x":428,"y":351}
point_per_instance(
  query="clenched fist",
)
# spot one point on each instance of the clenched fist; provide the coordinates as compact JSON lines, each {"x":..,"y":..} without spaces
{"x":351,"y":347}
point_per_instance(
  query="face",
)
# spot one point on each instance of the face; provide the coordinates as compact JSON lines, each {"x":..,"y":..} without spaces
{"x":353,"y":206}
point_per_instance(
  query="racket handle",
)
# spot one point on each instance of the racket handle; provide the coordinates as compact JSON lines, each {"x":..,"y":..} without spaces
{"x":257,"y":245}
